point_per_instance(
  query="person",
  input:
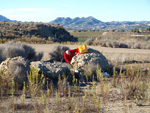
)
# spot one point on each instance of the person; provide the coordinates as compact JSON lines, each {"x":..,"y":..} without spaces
{"x":69,"y":54}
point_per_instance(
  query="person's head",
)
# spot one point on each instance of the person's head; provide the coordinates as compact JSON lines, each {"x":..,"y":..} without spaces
{"x":68,"y":52}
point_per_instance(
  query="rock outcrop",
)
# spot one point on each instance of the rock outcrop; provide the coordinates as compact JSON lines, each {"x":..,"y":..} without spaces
{"x":94,"y":57}
{"x":15,"y":69}
{"x":52,"y":70}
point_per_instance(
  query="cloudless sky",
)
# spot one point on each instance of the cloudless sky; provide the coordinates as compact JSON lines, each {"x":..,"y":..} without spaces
{"x":48,"y":10}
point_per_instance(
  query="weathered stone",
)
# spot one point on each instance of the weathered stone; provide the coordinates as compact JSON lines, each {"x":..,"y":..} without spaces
{"x":15,"y":69}
{"x":51,"y":70}
{"x":93,"y":56}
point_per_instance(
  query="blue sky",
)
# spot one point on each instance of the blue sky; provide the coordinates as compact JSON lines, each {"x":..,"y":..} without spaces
{"x":48,"y":10}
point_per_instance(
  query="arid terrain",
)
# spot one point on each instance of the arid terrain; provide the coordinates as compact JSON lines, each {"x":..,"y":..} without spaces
{"x":112,"y":94}
{"x":114,"y":55}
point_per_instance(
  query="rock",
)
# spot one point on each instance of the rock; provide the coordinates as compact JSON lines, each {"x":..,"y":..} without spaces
{"x":51,"y":70}
{"x":15,"y":69}
{"x":94,"y":57}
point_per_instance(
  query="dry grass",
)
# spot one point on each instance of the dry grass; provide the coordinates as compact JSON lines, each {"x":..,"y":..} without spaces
{"x":126,"y":89}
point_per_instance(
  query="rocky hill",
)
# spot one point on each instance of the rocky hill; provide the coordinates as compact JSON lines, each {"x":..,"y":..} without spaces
{"x":52,"y":32}
{"x":94,"y":24}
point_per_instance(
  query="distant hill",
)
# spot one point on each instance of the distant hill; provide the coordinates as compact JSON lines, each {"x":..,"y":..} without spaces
{"x":95,"y":24}
{"x":47,"y":31}
{"x":3,"y":18}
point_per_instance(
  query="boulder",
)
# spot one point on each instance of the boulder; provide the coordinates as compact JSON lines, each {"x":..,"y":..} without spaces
{"x":51,"y":70}
{"x":15,"y":69}
{"x":94,"y":57}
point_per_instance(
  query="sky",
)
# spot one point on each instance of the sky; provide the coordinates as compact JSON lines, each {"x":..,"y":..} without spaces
{"x":48,"y":10}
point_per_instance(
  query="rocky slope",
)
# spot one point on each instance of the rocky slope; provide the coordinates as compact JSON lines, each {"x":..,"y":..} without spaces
{"x":52,"y":32}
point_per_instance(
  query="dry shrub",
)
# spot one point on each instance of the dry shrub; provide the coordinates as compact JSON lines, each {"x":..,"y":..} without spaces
{"x":89,"y":42}
{"x":14,"y":49}
{"x":122,"y":45}
{"x":19,"y":71}
{"x":90,"y":69}
{"x":137,"y":46}
{"x":108,"y":43}
{"x":143,"y":46}
{"x":113,"y":44}
{"x":137,"y":85}
{"x":99,"y":43}
{"x":147,"y":46}
{"x":58,"y":53}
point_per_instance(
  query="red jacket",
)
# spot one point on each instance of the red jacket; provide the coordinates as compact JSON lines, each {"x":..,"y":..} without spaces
{"x":68,"y":58}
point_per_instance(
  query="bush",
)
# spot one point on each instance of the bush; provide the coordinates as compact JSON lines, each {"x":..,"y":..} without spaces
{"x":89,"y":42}
{"x":113,"y":44}
{"x":19,"y":71}
{"x":143,"y":46}
{"x":58,"y":53}
{"x":90,"y":71}
{"x":122,"y":45}
{"x":137,"y":46}
{"x":12,"y":49}
{"x":148,"y":46}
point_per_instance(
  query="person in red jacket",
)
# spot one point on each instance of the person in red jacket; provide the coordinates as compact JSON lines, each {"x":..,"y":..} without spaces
{"x":69,"y":54}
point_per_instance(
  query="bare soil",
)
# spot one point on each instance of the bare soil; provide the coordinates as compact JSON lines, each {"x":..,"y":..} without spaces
{"x":135,"y":54}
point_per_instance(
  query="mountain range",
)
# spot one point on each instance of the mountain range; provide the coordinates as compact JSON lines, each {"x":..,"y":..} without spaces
{"x":95,"y":24}
{"x":3,"y":18}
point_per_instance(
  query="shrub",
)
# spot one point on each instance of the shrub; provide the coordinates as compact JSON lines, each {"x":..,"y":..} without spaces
{"x":143,"y":46}
{"x":147,"y":46}
{"x":122,"y":45}
{"x":58,"y":53}
{"x":90,"y":70}
{"x":114,"y":44}
{"x":1,"y":52}
{"x":89,"y":42}
{"x":14,"y":49}
{"x":19,"y":71}
{"x":108,"y":44}
{"x":137,"y":46}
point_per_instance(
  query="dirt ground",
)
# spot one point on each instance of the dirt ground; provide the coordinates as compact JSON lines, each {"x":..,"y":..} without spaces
{"x":133,"y":53}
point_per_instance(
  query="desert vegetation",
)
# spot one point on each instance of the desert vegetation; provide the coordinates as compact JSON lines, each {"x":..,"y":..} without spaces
{"x":114,"y":39}
{"x":14,"y":49}
{"x":127,"y":88}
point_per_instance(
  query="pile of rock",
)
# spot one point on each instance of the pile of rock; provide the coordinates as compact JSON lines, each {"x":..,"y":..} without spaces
{"x":51,"y":70}
{"x":92,"y":57}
